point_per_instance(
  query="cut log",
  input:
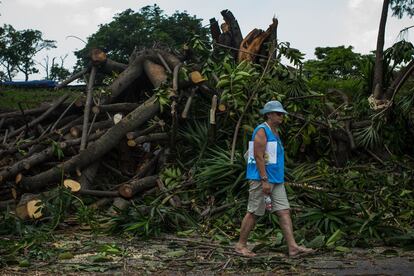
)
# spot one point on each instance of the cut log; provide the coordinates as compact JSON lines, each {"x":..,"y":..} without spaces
{"x":222,"y":107}
{"x":72,"y":78}
{"x":149,"y":138}
{"x":75,"y":132}
{"x":113,"y":108}
{"x":130,"y":189}
{"x":29,"y":207}
{"x":97,"y":56}
{"x":134,"y":134}
{"x":87,"y":109}
{"x":156,"y":73}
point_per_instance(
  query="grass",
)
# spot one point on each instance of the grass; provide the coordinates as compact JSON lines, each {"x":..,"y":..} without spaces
{"x":30,"y":98}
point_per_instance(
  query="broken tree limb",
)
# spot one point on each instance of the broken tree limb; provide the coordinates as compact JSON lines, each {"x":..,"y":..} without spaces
{"x":87,"y":109}
{"x":73,"y":77}
{"x":164,"y":63}
{"x":55,"y":105}
{"x":88,"y":175}
{"x":126,"y":78}
{"x":134,"y":186}
{"x":113,"y":108}
{"x":97,"y":149}
{"x":253,"y":42}
{"x":148,"y":138}
{"x":184,"y":114}
{"x":34,"y":111}
{"x":134,"y":134}
{"x":234,"y":28}
{"x":26,"y":163}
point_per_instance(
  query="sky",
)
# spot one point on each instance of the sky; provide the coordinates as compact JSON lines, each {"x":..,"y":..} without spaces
{"x":306,"y":24}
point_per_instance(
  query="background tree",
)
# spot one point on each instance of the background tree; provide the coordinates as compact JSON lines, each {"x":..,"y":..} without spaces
{"x":143,"y":29}
{"x":18,"y":49}
{"x":399,"y":8}
{"x":8,"y":56}
{"x":30,"y":42}
{"x":334,"y":62}
{"x":58,"y":72}
{"x":55,"y":71}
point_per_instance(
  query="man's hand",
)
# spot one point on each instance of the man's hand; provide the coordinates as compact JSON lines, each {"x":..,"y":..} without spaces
{"x":266,"y":187}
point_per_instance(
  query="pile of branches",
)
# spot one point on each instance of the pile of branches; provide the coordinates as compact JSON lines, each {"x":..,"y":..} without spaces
{"x":72,"y":140}
{"x":119,"y":130}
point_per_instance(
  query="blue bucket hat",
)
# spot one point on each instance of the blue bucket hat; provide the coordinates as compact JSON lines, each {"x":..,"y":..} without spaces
{"x":273,"y":106}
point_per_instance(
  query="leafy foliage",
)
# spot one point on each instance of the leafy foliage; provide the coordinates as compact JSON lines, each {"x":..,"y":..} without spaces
{"x":19,"y":48}
{"x":143,"y":29}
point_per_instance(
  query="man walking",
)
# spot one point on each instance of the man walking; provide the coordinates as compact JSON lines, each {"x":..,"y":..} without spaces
{"x":265,"y":172}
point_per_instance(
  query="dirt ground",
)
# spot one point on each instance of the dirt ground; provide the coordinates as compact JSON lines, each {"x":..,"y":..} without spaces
{"x":80,"y":253}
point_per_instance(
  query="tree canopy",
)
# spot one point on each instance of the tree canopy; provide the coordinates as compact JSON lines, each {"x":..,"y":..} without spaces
{"x":334,"y":62}
{"x":143,"y":29}
{"x":18,"y":49}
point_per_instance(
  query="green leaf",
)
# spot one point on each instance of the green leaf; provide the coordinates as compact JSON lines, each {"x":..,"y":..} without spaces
{"x":342,"y":249}
{"x":334,"y":238}
{"x":176,"y":253}
{"x":317,"y":242}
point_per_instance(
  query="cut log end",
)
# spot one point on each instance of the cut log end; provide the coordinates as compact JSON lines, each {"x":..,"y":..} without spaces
{"x":18,"y":178}
{"x":31,"y":209}
{"x":222,"y":107}
{"x":126,"y":191}
{"x":72,"y":185}
{"x":14,"y":193}
{"x":96,"y":109}
{"x":132,"y":143}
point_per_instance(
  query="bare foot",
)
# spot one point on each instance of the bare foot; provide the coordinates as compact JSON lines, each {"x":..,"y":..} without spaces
{"x":243,"y":250}
{"x":300,"y":251}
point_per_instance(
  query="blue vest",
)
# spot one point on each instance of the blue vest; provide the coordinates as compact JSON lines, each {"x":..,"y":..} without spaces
{"x":274,"y":158}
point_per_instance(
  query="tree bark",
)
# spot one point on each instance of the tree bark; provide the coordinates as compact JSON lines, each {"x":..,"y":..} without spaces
{"x":114,"y":108}
{"x":402,"y":77}
{"x":378,"y":81}
{"x":87,"y":109}
{"x":55,"y":105}
{"x":131,"y":188}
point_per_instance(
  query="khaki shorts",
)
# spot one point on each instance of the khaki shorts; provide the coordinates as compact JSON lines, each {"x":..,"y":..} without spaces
{"x":256,"y":204}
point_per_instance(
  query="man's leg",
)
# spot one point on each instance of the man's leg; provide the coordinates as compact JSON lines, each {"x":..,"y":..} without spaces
{"x":287,"y":229}
{"x":248,"y":223}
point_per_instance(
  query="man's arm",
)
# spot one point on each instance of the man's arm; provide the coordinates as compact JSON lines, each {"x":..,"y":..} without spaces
{"x":260,"y":141}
